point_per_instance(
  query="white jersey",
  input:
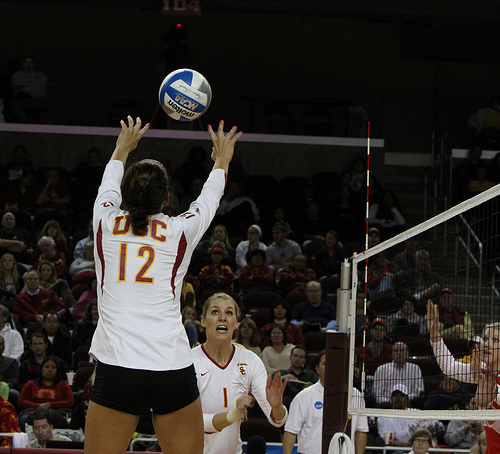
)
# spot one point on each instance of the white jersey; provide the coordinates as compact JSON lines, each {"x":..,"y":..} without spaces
{"x":221,"y":386}
{"x":140,"y":277}
{"x":306,"y":418}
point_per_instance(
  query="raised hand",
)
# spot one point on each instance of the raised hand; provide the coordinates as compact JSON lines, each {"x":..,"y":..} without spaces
{"x":223,"y":145}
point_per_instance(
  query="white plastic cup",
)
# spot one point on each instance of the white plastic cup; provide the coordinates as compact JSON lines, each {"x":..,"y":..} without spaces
{"x":71,"y":378}
{"x":389,"y":438}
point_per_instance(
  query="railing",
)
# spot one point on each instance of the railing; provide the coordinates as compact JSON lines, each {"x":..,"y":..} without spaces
{"x":469,"y":254}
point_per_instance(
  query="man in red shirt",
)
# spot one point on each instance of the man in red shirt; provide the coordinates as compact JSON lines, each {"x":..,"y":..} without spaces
{"x":29,"y":306}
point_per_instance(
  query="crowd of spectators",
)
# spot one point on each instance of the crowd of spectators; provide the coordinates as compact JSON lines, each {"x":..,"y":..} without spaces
{"x":287,"y":248}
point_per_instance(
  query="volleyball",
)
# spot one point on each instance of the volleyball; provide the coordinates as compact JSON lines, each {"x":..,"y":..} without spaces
{"x":185,"y":95}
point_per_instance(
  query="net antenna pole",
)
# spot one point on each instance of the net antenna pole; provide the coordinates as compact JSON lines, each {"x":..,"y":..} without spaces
{"x":363,"y":373}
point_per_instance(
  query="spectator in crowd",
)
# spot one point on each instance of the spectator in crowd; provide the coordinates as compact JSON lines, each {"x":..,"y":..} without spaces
{"x":10,"y":279}
{"x":59,"y":340}
{"x":190,"y":322}
{"x":420,"y":441}
{"x":31,"y":304}
{"x":216,"y":274}
{"x":311,"y":227}
{"x":49,"y":391}
{"x":327,"y":260}
{"x":480,"y":445}
{"x":407,"y":432}
{"x":315,"y":311}
{"x":421,"y":281}
{"x":405,"y":260}
{"x":78,"y":251}
{"x":248,"y":336}
{"x":201,"y":255}
{"x":277,"y":354}
{"x":29,"y":90}
{"x":294,"y":278}
{"x":245,"y":247}
{"x":19,"y":195}
{"x":87,"y":263}
{"x":406,"y":322}
{"x":19,"y":164}
{"x":346,"y":210}
{"x":256,"y":275}
{"x":85,"y":298}
{"x":486,"y":124}
{"x":53,"y":197}
{"x":374,"y":237}
{"x":387,"y":214}
{"x":464,"y":172}
{"x":236,"y":206}
{"x":398,"y":371}
{"x":305,"y":420}
{"x":480,"y":182}
{"x":280,"y":314}
{"x":30,"y":367}
{"x":49,"y":280}
{"x":464,"y":434}
{"x":53,"y":229}
{"x":381,"y":276}
{"x":454,"y":321}
{"x":42,"y":428}
{"x":85,"y":328}
{"x":358,"y":173}
{"x":9,"y":371}
{"x":196,"y":186}
{"x":378,"y":351}
{"x":448,"y":396}
{"x":280,"y":253}
{"x":195,"y":167}
{"x":50,"y":254}
{"x":12,"y":240}
{"x":8,"y":422}
{"x":13,"y":341}
{"x":299,"y":377}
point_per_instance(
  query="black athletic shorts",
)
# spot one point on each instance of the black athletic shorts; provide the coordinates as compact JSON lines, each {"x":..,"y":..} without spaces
{"x":134,"y":390}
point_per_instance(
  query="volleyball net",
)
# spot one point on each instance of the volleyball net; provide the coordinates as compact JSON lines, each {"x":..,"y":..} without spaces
{"x":452,"y":261}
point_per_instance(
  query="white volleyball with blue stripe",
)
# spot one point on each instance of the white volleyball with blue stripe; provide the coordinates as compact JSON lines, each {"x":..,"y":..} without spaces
{"x":185,"y":95}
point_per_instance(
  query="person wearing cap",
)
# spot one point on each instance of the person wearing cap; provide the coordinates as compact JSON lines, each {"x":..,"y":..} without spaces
{"x":256,"y":275}
{"x":378,"y":351}
{"x":373,"y":237}
{"x":398,"y":371}
{"x":400,"y":428}
{"x":216,"y":274}
{"x":280,"y":253}
{"x":420,"y":281}
{"x":245,"y":247}
{"x":454,"y":321}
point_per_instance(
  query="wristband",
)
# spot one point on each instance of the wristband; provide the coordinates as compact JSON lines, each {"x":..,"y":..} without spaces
{"x":233,"y":415}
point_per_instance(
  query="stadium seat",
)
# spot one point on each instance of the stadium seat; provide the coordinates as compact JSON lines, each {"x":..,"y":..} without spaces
{"x":315,"y":341}
{"x":295,"y":298}
{"x":417,"y":345}
{"x":260,"y":315}
{"x":428,"y":365}
{"x":264,"y":298}
{"x":82,"y":376}
{"x":330,"y":285}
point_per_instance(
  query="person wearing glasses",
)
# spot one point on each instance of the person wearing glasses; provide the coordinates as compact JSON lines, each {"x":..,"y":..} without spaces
{"x":421,"y":441}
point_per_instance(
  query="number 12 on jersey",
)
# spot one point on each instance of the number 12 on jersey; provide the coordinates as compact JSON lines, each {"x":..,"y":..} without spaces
{"x":144,"y":252}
